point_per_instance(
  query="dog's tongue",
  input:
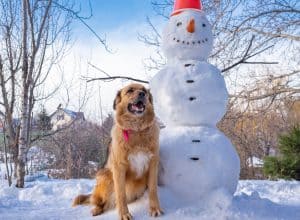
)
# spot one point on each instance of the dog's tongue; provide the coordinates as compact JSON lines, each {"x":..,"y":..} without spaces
{"x":138,"y":106}
{"x":135,"y":107}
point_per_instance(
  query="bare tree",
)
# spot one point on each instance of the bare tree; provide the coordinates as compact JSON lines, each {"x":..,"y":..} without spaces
{"x":79,"y":150}
{"x":252,"y":42}
{"x":242,"y":30}
{"x":34,"y":36}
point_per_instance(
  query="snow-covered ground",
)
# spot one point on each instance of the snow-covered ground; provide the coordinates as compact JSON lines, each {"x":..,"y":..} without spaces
{"x":51,"y":199}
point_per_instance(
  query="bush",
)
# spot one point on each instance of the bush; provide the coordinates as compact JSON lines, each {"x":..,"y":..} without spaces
{"x":78,"y":151}
{"x":287,"y":164}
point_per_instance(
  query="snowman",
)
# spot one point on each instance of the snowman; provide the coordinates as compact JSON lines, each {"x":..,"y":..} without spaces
{"x":190,"y":97}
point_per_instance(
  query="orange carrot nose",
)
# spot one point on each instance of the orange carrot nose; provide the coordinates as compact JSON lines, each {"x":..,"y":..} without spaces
{"x":191,"y":26}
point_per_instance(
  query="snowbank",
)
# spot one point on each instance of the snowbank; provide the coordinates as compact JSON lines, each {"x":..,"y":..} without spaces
{"x":51,"y":199}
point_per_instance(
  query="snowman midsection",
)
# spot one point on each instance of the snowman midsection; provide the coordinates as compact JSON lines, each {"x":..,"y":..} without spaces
{"x":192,"y":113}
{"x":193,"y":142}
{"x":190,"y":93}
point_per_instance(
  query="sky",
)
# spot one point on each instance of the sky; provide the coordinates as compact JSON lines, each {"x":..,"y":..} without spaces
{"x":119,"y":22}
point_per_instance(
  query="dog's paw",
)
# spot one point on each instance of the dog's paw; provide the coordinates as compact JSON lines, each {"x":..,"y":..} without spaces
{"x":156,"y":211}
{"x":126,"y":216}
{"x":96,"y":211}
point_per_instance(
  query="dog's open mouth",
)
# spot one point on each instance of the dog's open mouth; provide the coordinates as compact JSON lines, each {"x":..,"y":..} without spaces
{"x":137,"y":107}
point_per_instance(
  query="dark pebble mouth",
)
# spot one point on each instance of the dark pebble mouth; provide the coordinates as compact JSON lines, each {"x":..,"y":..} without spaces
{"x":195,"y":42}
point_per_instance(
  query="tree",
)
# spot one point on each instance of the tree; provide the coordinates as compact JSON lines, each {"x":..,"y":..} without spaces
{"x":43,"y":121}
{"x":287,"y":164}
{"x":34,"y":35}
{"x":41,"y":29}
{"x":77,"y":150}
{"x":250,"y":39}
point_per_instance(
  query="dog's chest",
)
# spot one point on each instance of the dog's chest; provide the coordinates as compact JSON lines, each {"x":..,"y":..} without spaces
{"x":139,"y":162}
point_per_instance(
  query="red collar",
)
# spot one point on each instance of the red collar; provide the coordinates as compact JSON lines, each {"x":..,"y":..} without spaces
{"x":126,"y":135}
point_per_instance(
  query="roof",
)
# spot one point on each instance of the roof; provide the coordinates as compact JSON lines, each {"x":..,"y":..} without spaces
{"x":71,"y":113}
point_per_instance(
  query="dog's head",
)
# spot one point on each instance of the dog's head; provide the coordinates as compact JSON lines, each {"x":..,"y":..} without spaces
{"x":134,"y":107}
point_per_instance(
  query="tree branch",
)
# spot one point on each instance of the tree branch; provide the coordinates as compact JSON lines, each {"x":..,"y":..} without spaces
{"x":116,"y":77}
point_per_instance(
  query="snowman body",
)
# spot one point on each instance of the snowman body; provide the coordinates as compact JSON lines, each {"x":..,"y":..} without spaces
{"x":190,"y":97}
{"x":189,"y":93}
{"x":197,"y":160}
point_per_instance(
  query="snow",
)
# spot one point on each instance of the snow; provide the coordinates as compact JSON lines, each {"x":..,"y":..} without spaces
{"x":208,"y":163}
{"x":172,"y":91}
{"x":178,"y":43}
{"x":254,"y":162}
{"x":48,"y":199}
{"x":190,"y":97}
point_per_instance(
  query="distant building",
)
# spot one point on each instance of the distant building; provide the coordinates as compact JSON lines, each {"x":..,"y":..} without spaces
{"x":63,"y":117}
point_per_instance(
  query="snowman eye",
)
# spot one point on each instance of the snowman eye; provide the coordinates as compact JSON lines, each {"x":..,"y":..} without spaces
{"x":203,"y":25}
{"x":178,"y":24}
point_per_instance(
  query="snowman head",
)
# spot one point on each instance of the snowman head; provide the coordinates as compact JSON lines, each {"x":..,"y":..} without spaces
{"x":187,"y":35}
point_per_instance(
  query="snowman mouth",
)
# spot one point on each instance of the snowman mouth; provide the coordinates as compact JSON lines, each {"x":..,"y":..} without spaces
{"x":137,"y":107}
{"x":193,"y":42}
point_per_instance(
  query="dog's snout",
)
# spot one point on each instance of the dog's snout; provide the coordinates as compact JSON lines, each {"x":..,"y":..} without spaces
{"x":141,"y":94}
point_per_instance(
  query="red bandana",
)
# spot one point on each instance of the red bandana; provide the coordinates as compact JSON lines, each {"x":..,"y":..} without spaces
{"x":126,"y":135}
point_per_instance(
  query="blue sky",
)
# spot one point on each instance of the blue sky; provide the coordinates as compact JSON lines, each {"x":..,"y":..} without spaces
{"x":110,"y":14}
{"x":121,"y":22}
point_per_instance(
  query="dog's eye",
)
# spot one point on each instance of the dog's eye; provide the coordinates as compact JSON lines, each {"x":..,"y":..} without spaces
{"x":130,"y":90}
{"x":145,"y":91}
{"x":179,"y":24}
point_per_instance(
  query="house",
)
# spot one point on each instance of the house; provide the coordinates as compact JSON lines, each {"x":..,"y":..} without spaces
{"x":63,"y":117}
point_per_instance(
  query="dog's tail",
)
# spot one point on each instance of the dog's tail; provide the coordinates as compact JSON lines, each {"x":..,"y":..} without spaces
{"x":82,"y":200}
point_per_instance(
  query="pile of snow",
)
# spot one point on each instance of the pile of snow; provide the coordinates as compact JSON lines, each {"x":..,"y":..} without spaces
{"x":51,"y":199}
{"x":255,"y":162}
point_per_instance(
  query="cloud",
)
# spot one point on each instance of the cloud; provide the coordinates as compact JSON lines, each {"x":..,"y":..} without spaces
{"x":126,"y":60}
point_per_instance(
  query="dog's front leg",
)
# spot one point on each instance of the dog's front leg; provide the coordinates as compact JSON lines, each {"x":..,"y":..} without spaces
{"x":155,"y":209}
{"x":119,"y":172}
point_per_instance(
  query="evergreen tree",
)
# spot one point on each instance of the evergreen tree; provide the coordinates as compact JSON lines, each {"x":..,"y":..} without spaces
{"x":43,"y":120}
{"x":287,"y":164}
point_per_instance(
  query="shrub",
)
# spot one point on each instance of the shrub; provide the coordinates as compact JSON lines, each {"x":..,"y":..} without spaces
{"x":287,"y":164}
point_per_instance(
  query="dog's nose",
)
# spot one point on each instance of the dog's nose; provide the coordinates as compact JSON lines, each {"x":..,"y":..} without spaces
{"x":141,"y":94}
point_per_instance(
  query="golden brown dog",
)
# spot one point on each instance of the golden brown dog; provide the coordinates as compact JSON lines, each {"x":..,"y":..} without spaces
{"x":132,"y":165}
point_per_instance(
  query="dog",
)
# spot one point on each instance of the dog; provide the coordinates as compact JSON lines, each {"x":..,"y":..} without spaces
{"x":132,"y":165}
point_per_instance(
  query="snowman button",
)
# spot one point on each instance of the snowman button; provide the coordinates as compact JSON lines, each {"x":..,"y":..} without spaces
{"x":188,"y":64}
{"x":194,"y":158}
{"x":190,"y":81}
{"x":196,"y":141}
{"x":192,"y":98}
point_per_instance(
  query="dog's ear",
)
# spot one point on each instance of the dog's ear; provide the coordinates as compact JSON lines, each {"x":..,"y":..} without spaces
{"x":117,"y":99}
{"x":150,"y":97}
